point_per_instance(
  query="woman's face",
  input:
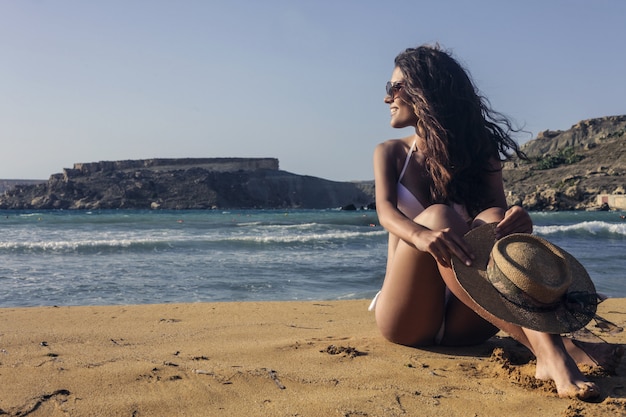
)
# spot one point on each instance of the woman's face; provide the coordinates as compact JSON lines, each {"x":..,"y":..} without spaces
{"x":402,"y":114}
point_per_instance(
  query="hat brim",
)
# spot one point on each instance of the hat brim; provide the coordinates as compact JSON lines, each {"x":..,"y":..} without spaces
{"x":473,"y":279}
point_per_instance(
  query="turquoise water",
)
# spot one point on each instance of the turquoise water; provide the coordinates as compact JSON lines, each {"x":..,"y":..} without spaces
{"x":138,"y":257}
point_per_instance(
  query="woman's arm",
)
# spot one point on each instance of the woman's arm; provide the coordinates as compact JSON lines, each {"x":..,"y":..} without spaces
{"x":439,"y":243}
{"x":386,"y":176}
{"x":516,"y":219}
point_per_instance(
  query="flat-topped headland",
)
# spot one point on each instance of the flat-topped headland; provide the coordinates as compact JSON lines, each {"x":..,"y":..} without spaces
{"x":168,"y":164}
{"x":185,"y":183}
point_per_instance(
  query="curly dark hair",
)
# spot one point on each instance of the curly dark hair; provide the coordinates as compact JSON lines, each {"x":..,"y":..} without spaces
{"x":462,"y":133}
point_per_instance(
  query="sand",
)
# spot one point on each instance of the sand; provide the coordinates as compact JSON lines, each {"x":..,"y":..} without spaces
{"x":267,"y":359}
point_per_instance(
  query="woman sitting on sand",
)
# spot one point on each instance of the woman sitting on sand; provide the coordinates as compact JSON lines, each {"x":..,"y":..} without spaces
{"x":431,"y":189}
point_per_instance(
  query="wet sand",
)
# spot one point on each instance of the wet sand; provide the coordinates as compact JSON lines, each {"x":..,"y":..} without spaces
{"x":267,"y":359}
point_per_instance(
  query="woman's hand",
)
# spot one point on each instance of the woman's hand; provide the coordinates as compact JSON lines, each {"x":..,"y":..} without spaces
{"x":516,"y":220}
{"x":442,"y":244}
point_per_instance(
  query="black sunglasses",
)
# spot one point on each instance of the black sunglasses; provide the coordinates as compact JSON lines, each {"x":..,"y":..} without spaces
{"x":392,"y":88}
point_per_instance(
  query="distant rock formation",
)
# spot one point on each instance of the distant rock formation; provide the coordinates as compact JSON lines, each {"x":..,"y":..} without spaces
{"x":585,"y":134}
{"x":192,"y":183}
{"x":8,"y":184}
{"x":567,"y":171}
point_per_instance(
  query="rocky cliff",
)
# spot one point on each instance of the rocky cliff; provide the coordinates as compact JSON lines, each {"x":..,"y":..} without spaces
{"x":184,"y":184}
{"x":566,"y":171}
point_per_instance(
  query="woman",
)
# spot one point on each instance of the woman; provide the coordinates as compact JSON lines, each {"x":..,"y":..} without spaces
{"x":431,"y":188}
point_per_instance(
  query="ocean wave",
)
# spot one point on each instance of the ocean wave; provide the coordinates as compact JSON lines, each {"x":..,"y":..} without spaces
{"x":303,"y":226}
{"x":39,"y":215}
{"x":306,"y":238}
{"x":77,"y":245}
{"x":248,"y":224}
{"x":590,"y":227}
{"x":157,"y":243}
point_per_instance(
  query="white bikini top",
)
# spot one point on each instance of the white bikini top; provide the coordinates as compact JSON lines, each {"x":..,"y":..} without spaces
{"x":408,"y":204}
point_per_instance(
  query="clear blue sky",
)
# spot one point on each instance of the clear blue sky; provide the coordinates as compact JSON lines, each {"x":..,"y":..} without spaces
{"x":302,"y":81}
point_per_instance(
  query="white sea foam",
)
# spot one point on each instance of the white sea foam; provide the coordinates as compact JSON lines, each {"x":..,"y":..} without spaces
{"x":300,"y":236}
{"x":592,"y":227}
{"x":305,"y":238}
{"x":69,"y":245}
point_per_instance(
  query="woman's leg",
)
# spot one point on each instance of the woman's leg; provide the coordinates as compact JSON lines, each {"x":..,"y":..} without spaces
{"x":411,"y":306}
{"x":605,"y":355}
{"x":553,"y":360}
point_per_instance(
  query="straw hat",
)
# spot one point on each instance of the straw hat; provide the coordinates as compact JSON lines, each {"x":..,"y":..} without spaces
{"x":526,"y":280}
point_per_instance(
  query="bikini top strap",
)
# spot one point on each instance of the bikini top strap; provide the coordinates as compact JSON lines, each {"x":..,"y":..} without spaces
{"x":406,"y":161}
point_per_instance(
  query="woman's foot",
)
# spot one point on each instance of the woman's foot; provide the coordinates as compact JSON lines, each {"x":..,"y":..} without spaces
{"x":555,"y":364}
{"x":604,"y":355}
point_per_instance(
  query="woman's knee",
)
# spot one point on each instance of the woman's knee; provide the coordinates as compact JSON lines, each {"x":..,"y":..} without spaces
{"x":490,"y":215}
{"x":438,"y":211}
{"x":440,"y":216}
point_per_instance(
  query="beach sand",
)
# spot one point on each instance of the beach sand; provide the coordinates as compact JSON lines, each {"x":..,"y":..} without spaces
{"x":267,"y":359}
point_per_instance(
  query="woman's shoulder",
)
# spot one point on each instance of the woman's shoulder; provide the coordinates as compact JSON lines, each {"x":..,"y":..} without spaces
{"x":392,"y":146}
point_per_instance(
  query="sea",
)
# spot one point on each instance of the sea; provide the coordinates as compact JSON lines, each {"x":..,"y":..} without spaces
{"x":119,"y":257}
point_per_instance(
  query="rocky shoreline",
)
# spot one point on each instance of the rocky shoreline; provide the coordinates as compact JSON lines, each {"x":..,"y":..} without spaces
{"x":567,"y":171}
